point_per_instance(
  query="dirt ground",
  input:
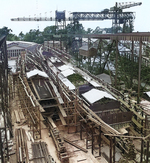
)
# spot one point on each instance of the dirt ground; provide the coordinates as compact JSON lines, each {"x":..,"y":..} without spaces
{"x":75,"y":155}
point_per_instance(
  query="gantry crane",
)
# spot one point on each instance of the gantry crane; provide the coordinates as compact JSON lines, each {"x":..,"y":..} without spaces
{"x":115,"y":14}
{"x":122,"y":20}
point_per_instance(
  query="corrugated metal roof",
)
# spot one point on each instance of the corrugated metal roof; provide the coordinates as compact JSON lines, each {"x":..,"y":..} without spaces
{"x":105,"y":77}
{"x":36,"y":72}
{"x":65,"y":67}
{"x":91,"y":81}
{"x":84,"y":48}
{"x":67,"y":72}
{"x":95,"y":95}
{"x":68,"y":84}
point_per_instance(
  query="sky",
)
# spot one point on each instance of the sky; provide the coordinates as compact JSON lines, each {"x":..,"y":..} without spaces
{"x":31,"y":8}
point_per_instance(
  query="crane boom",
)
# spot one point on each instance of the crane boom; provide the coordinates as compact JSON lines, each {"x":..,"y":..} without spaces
{"x":128,"y":5}
{"x":124,"y":5}
{"x":82,"y":16}
{"x":115,"y":13}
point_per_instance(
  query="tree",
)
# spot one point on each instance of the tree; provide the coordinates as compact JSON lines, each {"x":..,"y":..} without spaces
{"x":5,"y":31}
{"x":89,"y":30}
{"x":97,"y":30}
{"x":21,"y":36}
{"x":34,"y":36}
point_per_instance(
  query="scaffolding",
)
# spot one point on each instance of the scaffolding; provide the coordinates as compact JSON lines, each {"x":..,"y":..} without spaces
{"x":5,"y":118}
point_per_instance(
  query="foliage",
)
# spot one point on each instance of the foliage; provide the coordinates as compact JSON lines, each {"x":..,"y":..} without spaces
{"x":34,"y":36}
{"x":74,"y":78}
{"x":7,"y":32}
{"x":21,"y":36}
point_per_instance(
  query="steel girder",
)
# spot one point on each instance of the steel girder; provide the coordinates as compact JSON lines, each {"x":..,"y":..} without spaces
{"x":83,"y":16}
{"x":4,"y":109}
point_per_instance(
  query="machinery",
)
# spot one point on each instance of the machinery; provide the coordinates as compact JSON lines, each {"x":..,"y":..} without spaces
{"x":115,"y":14}
{"x":117,"y":10}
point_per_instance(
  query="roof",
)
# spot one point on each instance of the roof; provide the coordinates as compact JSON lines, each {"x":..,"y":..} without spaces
{"x":36,"y":72}
{"x":95,"y":95}
{"x":68,"y":83}
{"x":105,"y":77}
{"x":54,"y":59}
{"x":91,"y":81}
{"x":67,"y":72}
{"x":86,"y":48}
{"x":22,"y":44}
{"x":65,"y":67}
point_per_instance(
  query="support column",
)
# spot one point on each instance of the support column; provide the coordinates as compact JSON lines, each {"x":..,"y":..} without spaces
{"x":114,"y":149}
{"x":147,"y":152}
{"x":86,"y":136}
{"x":132,"y":61}
{"x":139,"y":77}
{"x":110,"y":150}
{"x":1,"y":148}
{"x":80,"y":129}
{"x":100,"y":140}
{"x":142,"y":146}
{"x":92,"y":140}
{"x":116,"y":62}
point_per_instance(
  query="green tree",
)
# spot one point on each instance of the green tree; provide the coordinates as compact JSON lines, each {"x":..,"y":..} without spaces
{"x":48,"y":32}
{"x":34,"y":36}
{"x":97,"y":30}
{"x":5,"y":31}
{"x":89,"y":30}
{"x":21,"y":36}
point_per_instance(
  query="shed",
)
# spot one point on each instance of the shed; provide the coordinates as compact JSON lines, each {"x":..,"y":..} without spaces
{"x":105,"y":77}
{"x":87,"y":52}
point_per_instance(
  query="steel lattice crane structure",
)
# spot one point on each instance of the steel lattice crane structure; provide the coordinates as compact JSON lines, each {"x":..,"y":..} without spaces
{"x":117,"y":10}
{"x":115,"y":14}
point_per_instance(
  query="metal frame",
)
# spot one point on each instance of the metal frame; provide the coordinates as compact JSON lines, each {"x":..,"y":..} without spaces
{"x":4,"y":110}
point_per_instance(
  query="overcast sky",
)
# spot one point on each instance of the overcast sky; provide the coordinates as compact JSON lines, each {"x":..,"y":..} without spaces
{"x":25,"y":8}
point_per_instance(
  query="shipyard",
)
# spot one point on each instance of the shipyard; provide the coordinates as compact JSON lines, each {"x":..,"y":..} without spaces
{"x":70,"y":95}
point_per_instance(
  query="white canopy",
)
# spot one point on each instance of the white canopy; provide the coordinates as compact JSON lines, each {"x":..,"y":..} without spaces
{"x":94,"y":95}
{"x":67,"y":72}
{"x":36,"y":72}
{"x":65,"y":67}
{"x":91,"y":81}
{"x":68,"y":84}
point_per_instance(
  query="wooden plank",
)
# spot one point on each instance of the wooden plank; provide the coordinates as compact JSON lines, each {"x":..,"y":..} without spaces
{"x":21,"y":115}
{"x":105,"y":139}
{"x":75,"y":145}
{"x":52,"y":122}
{"x":56,"y":92}
{"x":62,"y":119}
{"x":35,"y":100}
{"x":134,"y":112}
{"x":17,"y":116}
{"x":136,"y":122}
{"x":62,"y":111}
{"x":35,"y":89}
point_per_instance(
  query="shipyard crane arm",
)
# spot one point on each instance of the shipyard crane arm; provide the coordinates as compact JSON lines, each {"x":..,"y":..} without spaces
{"x":101,"y":16}
{"x":124,"y":5}
{"x":115,"y":14}
{"x":82,"y":16}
